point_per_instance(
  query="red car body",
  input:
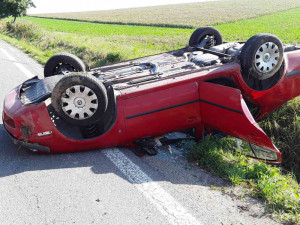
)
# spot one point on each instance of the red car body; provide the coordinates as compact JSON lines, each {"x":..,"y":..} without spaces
{"x":171,"y":104}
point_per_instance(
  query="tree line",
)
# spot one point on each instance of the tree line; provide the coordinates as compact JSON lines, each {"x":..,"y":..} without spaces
{"x":14,"y":8}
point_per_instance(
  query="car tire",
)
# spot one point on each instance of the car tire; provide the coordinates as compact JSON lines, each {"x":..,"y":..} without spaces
{"x":202,"y":32}
{"x":79,"y":99}
{"x":66,"y":61}
{"x":261,"y":56}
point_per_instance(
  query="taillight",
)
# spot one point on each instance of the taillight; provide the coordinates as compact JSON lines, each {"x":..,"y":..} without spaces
{"x":8,"y":121}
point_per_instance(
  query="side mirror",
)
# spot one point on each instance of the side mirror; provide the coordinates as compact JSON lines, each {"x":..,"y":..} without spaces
{"x":265,"y":154}
{"x":257,"y":152}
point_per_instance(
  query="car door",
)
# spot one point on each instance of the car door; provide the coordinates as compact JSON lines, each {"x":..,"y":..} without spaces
{"x":223,"y":108}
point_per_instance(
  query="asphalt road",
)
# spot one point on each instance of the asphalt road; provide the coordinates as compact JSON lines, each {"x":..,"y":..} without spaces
{"x":111,"y":186}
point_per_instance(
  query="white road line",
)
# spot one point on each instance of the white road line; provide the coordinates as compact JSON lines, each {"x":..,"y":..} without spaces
{"x":24,"y":70}
{"x":10,"y":57}
{"x":19,"y":65}
{"x":165,"y":203}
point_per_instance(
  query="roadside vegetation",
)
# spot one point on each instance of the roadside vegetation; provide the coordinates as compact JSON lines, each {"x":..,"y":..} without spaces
{"x":279,"y":189}
{"x":283,"y":126}
{"x":185,"y":15}
{"x":97,"y":44}
{"x":101,"y":44}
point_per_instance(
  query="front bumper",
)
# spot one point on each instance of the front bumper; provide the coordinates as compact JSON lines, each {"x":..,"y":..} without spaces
{"x":31,"y":146}
{"x":16,"y":116}
{"x":26,"y":122}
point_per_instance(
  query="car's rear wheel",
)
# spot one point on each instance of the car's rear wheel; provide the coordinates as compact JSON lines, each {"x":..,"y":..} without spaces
{"x":62,"y":63}
{"x":261,"y":56}
{"x":79,"y":99}
{"x":206,"y":37}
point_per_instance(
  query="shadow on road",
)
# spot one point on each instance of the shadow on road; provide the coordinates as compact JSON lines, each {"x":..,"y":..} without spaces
{"x":15,"y":160}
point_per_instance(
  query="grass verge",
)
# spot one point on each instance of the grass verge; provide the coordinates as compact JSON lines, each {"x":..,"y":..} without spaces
{"x":283,"y":126}
{"x":279,"y":190}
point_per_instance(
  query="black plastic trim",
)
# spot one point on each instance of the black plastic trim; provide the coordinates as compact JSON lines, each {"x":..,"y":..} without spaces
{"x":161,"y":109}
{"x":221,"y":106}
{"x":30,"y":146}
{"x":182,"y":104}
{"x":292,"y":73}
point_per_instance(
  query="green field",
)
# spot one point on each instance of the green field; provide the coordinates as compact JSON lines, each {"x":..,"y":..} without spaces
{"x":285,"y":25}
{"x":94,"y":42}
{"x":186,"y":15}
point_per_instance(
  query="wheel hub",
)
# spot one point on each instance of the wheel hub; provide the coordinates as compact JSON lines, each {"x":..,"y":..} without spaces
{"x":79,"y":102}
{"x":62,"y":68}
{"x":266,"y":57}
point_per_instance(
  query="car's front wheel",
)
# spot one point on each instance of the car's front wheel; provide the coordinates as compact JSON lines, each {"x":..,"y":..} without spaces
{"x":79,"y":99}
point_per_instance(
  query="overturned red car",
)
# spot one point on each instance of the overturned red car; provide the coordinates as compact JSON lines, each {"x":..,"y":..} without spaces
{"x":207,"y":86}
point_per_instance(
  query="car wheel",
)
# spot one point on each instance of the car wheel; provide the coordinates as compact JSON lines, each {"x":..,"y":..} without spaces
{"x":63,"y":62}
{"x":206,"y":37}
{"x":261,"y":56}
{"x":79,"y":99}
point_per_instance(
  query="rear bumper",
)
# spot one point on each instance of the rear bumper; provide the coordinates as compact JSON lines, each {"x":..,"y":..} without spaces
{"x":31,"y":146}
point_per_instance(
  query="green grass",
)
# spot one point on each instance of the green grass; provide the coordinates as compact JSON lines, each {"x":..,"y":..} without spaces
{"x":280,"y":191}
{"x":94,"y":42}
{"x":283,"y":24}
{"x":283,"y":126}
{"x":38,"y":54}
{"x":96,"y":29}
{"x":185,"y":15}
{"x":95,"y":49}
